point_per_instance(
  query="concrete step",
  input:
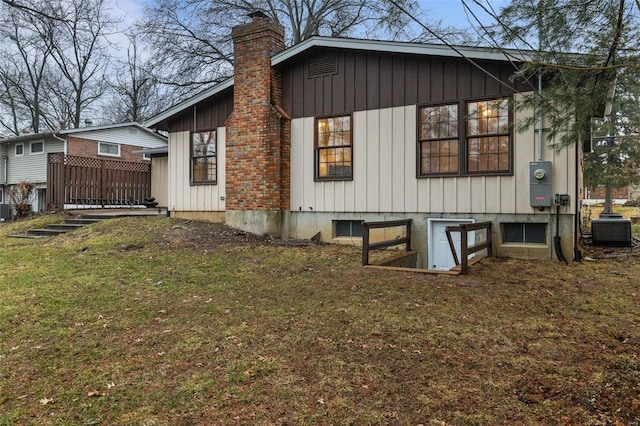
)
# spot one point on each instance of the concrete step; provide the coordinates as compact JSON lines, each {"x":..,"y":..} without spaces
{"x":66,"y":226}
{"x":46,"y":232}
{"x":82,"y":221}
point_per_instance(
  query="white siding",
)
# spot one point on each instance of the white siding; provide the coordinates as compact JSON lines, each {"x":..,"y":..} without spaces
{"x":30,"y":167}
{"x":384,"y":166}
{"x":193,"y":198}
{"x":123,"y":135}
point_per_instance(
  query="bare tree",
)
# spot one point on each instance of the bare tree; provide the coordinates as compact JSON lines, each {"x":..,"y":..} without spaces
{"x":81,"y":54}
{"x":136,"y":91}
{"x":26,"y":53}
{"x":195,"y":34}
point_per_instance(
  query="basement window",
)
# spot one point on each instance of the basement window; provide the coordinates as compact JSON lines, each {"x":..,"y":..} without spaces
{"x":527,"y":233}
{"x":348,"y":228}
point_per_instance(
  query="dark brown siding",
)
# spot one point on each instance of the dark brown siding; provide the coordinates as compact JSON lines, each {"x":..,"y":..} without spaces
{"x":209,"y":114}
{"x":371,"y":80}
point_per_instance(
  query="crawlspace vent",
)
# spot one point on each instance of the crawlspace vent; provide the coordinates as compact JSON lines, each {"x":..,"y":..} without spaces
{"x":325,"y":66}
{"x":611,"y":232}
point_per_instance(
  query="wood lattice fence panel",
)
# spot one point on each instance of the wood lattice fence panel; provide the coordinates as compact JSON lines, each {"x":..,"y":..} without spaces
{"x":96,"y":182}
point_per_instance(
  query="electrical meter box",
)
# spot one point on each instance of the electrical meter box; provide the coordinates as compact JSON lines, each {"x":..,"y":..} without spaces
{"x":540,"y":183}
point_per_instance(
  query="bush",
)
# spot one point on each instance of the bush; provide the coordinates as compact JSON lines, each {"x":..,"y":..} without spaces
{"x":21,"y":196}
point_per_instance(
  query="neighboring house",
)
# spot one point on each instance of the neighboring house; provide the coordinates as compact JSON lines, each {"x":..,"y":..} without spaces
{"x":24,"y":158}
{"x":333,"y":132}
{"x":596,"y":195}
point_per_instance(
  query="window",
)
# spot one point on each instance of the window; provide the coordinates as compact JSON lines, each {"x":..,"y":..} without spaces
{"x":348,"y":228}
{"x":488,"y":140}
{"x":476,"y":142}
{"x":334,"y":148}
{"x":37,"y":147}
{"x":203,"y":157}
{"x":439,"y":139}
{"x":19,"y":150}
{"x":528,"y":233}
{"x":112,"y":149}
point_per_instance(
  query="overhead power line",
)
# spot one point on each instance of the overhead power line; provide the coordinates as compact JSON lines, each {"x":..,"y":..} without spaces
{"x":450,"y":46}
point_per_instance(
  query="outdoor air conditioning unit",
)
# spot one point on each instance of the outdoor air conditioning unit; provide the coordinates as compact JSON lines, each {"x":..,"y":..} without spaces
{"x":6,"y":212}
{"x":611,"y":232}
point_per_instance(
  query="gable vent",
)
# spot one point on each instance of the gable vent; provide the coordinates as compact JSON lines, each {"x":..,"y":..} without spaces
{"x":325,"y":66}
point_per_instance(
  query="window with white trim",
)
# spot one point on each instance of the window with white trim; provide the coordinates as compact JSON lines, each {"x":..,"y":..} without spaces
{"x":19,"y":149}
{"x":106,"y":148}
{"x":36,"y":147}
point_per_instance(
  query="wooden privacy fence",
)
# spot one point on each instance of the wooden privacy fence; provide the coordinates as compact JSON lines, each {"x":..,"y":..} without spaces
{"x":465,"y":249}
{"x":95,"y":182}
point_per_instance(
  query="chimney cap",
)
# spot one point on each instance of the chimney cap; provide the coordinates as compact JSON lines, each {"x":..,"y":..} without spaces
{"x":257,"y":14}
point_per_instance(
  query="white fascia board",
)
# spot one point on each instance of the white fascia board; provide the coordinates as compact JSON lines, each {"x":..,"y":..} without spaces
{"x":401,"y":47}
{"x":189,"y":102}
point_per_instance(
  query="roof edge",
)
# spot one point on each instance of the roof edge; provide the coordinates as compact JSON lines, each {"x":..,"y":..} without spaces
{"x":189,"y":102}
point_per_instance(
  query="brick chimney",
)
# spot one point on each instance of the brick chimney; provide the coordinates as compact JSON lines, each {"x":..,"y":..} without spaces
{"x":257,"y":145}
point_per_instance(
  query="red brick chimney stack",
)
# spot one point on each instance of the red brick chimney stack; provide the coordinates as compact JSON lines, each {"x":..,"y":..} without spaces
{"x":257,"y":187}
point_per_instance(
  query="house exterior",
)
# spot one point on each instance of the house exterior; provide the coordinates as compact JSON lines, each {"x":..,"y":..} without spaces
{"x":332,"y":132}
{"x":24,"y":158}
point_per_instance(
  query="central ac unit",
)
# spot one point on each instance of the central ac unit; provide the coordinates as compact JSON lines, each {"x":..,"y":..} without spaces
{"x":611,"y":232}
{"x":6,"y":212}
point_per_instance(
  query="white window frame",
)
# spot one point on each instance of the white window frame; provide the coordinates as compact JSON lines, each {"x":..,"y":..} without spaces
{"x":16,"y":148}
{"x":100,"y":144}
{"x":146,"y":156}
{"x":37,"y":152}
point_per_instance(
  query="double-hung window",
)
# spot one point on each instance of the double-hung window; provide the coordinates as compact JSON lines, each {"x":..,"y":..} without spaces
{"x":203,"y":157}
{"x":488,"y":140}
{"x":439,"y":139}
{"x":334,"y":148}
{"x":474,"y":141}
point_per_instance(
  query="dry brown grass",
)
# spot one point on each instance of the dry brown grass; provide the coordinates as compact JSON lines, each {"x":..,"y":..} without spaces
{"x":164,"y":322}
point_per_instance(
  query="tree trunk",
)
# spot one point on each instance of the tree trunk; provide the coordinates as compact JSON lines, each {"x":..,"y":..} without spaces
{"x":608,"y":204}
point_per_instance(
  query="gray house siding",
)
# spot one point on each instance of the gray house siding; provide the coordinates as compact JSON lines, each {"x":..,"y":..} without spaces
{"x":30,"y":167}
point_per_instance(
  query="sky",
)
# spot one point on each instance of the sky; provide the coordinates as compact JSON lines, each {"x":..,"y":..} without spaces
{"x":452,"y":12}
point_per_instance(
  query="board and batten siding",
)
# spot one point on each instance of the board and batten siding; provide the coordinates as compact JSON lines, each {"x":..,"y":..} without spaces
{"x":30,"y":167}
{"x":160,"y":180}
{"x":384,"y":167}
{"x":194,"y":198}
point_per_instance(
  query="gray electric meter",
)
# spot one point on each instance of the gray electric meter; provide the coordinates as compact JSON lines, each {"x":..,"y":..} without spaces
{"x":540,"y":183}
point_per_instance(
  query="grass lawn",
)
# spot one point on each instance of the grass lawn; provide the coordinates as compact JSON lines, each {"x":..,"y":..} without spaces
{"x":157,"y":321}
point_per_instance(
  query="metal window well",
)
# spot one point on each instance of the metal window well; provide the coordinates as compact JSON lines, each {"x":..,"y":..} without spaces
{"x":611,"y":231}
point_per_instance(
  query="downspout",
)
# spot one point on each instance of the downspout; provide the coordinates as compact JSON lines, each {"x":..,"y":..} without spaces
{"x":540,"y":145}
{"x":64,"y":141}
{"x":5,"y":174}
